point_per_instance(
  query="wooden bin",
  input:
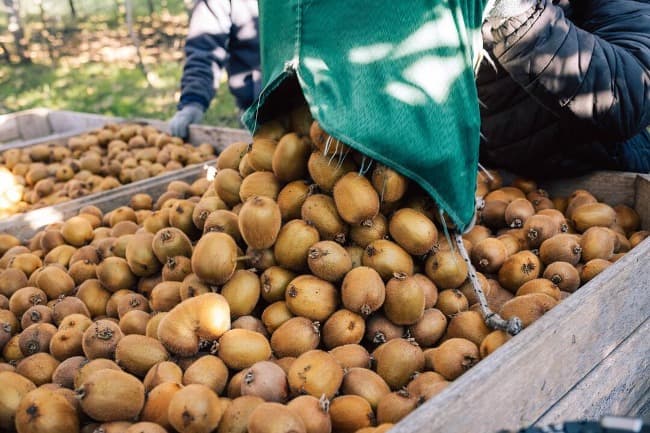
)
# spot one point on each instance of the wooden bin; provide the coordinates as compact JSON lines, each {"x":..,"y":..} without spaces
{"x":586,"y":358}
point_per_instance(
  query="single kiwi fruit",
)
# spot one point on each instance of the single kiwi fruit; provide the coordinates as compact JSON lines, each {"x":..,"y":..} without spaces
{"x":365,"y":383}
{"x":430,"y":328}
{"x":329,"y":260}
{"x":101,"y":338}
{"x":343,"y":327}
{"x":227,"y":184}
{"x":136,"y":354}
{"x":176,"y":268}
{"x":204,"y":208}
{"x":397,"y":360}
{"x":266,"y":380}
{"x":404,"y":302}
{"x":562,"y":247}
{"x":369,"y":231}
{"x":35,"y":314}
{"x":214,"y":258}
{"x":351,"y":355}
{"x":592,"y":268}
{"x":45,"y":410}
{"x":598,"y":243}
{"x":79,"y":322}
{"x":58,"y":255}
{"x":539,"y":228}
{"x":492,"y":342}
{"x":389,"y":184}
{"x":259,"y":222}
{"x":237,"y":413}
{"x":251,"y":323}
{"x":261,"y":183}
{"x":564,"y":275}
{"x":140,"y":255}
{"x":426,"y":385}
{"x":66,"y":371}
{"x":294,"y":337}
{"x":469,"y":325}
{"x":627,"y":218}
{"x":25,"y":298}
{"x":241,"y":348}
{"x":55,"y":282}
{"x":540,"y":285}
{"x":206,"y":317}
{"x":165,"y":371}
{"x":393,"y":407}
{"x":311,"y":297}
{"x":126,"y":227}
{"x":314,"y":413}
{"x":259,"y":260}
{"x":489,"y":254}
{"x":355,"y":198}
{"x":592,"y":214}
{"x":36,"y":338}
{"x":115,"y":274}
{"x":413,"y":231}
{"x":231,"y":156}
{"x":637,"y":237}
{"x":27,"y":262}
{"x":223,"y":221}
{"x":291,"y":199}
{"x":453,"y":357}
{"x":519,"y":268}
{"x":363,"y":291}
{"x":320,"y":211}
{"x":326,"y":171}
{"x":315,"y":373}
{"x":88,"y":367}
{"x":492,"y":214}
{"x":64,"y":307}
{"x":380,"y":330}
{"x":349,"y":413}
{"x":38,"y":367}
{"x":134,"y":322}
{"x":11,"y":280}
{"x":260,"y":155}
{"x":145,"y":427}
{"x":208,"y":370}
{"x":274,"y":281}
{"x":275,"y":314}
{"x":111,"y":395}
{"x":242,"y":292}
{"x":171,"y":242}
{"x":192,"y":286}
{"x":271,"y":417}
{"x":289,"y":161}
{"x":165,"y":296}
{"x":446,"y":269}
{"x":293,"y":243}
{"x":387,"y":258}
{"x":94,"y":296}
{"x":528,"y":308}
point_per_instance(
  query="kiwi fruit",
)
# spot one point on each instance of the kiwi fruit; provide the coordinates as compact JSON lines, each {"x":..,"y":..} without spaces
{"x":528,"y":308}
{"x":562,"y":247}
{"x":111,"y":395}
{"x":134,"y":322}
{"x":564,"y":275}
{"x":314,"y":413}
{"x":165,"y":371}
{"x":592,"y":214}
{"x":260,"y":183}
{"x":598,"y":243}
{"x":241,"y":348}
{"x":64,"y":307}
{"x":271,"y":417}
{"x":326,"y":172}
{"x":274,"y":281}
{"x":236,"y":415}
{"x":214,"y":258}
{"x":295,"y":336}
{"x":315,"y":373}
{"x":365,"y":383}
{"x":260,"y":155}
{"x":489,"y":254}
{"x":397,"y":360}
{"x":38,"y":367}
{"x":242,"y":292}
{"x":25,"y":298}
{"x":539,"y":228}
{"x":453,"y":357}
{"x":637,"y":237}
{"x":319,"y":210}
{"x":311,"y":297}
{"x":404,"y":302}
{"x":492,"y":214}
{"x":351,"y":355}
{"x":540,"y":285}
{"x":136,"y":354}
{"x":223,"y":221}
{"x":115,"y":274}
{"x":36,"y":338}
{"x":349,"y":413}
{"x":204,"y":208}
{"x":11,"y":280}
{"x":94,"y":296}
{"x":446,"y":269}
{"x":389,"y":184}
{"x":426,"y":385}
{"x":380,"y":330}
{"x":393,"y":407}
{"x":291,"y":199}
{"x":369,"y":231}
{"x":592,"y":268}
{"x":275,"y":314}
{"x":140,"y":255}
{"x":35,"y":314}
{"x":266,"y":380}
{"x":329,"y":260}
{"x":46,"y":410}
{"x":259,"y":222}
{"x":429,"y":328}
{"x":289,"y":161}
{"x":355,"y":198}
{"x":176,"y":268}
{"x":519,"y":268}
{"x":492,"y":342}
{"x":387,"y":258}
{"x":208,"y":370}
{"x":101,"y":339}
{"x":343,"y":327}
{"x":65,"y":372}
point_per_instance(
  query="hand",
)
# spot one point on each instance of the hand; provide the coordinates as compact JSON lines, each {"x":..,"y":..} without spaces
{"x":498,"y":11}
{"x":191,"y":113}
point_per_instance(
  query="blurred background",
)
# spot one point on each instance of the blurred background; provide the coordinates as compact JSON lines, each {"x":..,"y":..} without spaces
{"x":113,"y":57}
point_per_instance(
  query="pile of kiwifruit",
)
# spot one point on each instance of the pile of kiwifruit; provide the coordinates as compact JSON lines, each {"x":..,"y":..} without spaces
{"x":289,"y":293}
{"x":103,"y":159}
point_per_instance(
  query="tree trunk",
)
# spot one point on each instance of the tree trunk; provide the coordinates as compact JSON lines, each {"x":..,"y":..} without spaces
{"x":5,"y":52}
{"x":73,"y":11}
{"x":16,"y":27}
{"x":45,"y":33}
{"x":134,"y":38}
{"x":151,"y":7}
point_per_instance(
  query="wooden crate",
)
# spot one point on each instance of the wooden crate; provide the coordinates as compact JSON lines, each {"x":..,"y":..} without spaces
{"x":586,"y":358}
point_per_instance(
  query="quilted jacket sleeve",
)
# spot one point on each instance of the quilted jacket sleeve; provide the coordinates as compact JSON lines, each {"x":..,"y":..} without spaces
{"x":599,"y":72}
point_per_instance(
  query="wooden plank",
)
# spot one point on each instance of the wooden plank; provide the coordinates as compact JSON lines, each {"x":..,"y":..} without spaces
{"x":217,"y":136}
{"x":24,"y":226}
{"x":642,"y":199}
{"x":34,"y":125}
{"x":613,"y":387}
{"x":519,"y":382}
{"x":612,"y":187}
{"x":641,"y":409}
{"x":8,"y":129}
{"x":62,"y":120}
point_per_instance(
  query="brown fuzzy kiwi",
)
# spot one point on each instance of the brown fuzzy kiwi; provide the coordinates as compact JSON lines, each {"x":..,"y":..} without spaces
{"x":430,"y":328}
{"x":12,"y":252}
{"x":489,"y":254}
{"x":28,"y":263}
{"x":637,"y":237}
{"x":260,"y":155}
{"x":598,"y":243}
{"x":558,"y":217}
{"x":165,"y":296}
{"x":627,"y":218}
{"x":528,"y":307}
{"x":204,"y":208}
{"x":274,"y":315}
{"x":24,"y":298}
{"x":126,"y":227}
{"x":151,"y":329}
{"x":77,"y":231}
{"x":227,"y":185}
{"x":223,"y":221}
{"x":355,"y":198}
{"x":55,"y":282}
{"x":274,"y":281}
{"x":446,"y":269}
{"x":311,"y":297}
{"x":315,"y":373}
{"x":180,"y":216}
{"x":290,"y":158}
{"x":232,"y":155}
{"x":329,"y":260}
{"x":295,"y":336}
{"x":136,"y":354}
{"x":260,"y":260}
{"x":314,"y":413}
{"x":430,"y":290}
{"x":141,"y":201}
{"x":266,"y":380}
{"x":365,"y":383}
{"x":492,"y":214}
{"x":492,"y":342}
{"x":395,"y":406}
{"x":387,"y":258}
{"x":320,"y":211}
{"x":8,"y":241}
{"x":208,"y":370}
{"x":351,"y":355}
{"x":363,"y":291}
{"x":236,"y":415}
{"x":64,"y":307}
{"x":291,"y":198}
{"x":158,"y":220}
{"x":115,"y":274}
{"x":195,"y":408}
{"x":51,"y":239}
{"x":270,"y":417}
{"x":100,"y":339}
{"x":261,"y":183}
{"x":11,"y":351}
{"x":251,"y":323}
{"x":591,"y":215}
{"x":343,"y":327}
{"x":404,"y":303}
{"x":171,"y":242}
{"x":4,"y":302}
{"x":140,"y":256}
{"x":397,"y":360}
{"x":111,"y":305}
{"x":389,"y":184}
{"x":94,"y":296}
{"x":326,"y":172}
{"x":205,"y":317}
{"x":451,"y":302}
{"x":36,"y":338}
{"x":505,"y":193}
{"x":413,"y":231}
{"x":241,"y":348}
{"x":111,"y":395}
{"x":259,"y":222}
{"x":540,"y":285}
{"x":242,"y":292}
{"x":519,"y":268}
{"x":176,"y":268}
{"x":293,"y":243}
{"x":66,"y":371}
{"x":349,"y":413}
{"x":11,"y":280}
{"x":370,"y":231}
{"x":477,"y":234}
{"x":234,"y":385}
{"x":79,"y":322}
{"x":467,"y":289}
{"x":81,"y":271}
{"x":45,"y":410}
{"x":87,"y":368}
{"x":426,"y":385}
{"x":215,"y":258}
{"x":193,"y":286}
{"x":380,"y":330}
{"x":38,"y":367}
{"x":59,"y":255}
{"x":564,"y":275}
{"x":469,"y":325}
{"x":562,"y":247}
{"x":134,"y":322}
{"x":165,"y":371}
{"x":118,"y":249}
{"x":35,"y":314}
{"x":453,"y":357}
{"x":539,"y":228}
{"x":592,"y":268}
{"x":145,"y":427}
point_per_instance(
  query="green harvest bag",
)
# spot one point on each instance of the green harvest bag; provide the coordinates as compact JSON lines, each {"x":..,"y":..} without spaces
{"x":392,"y":79}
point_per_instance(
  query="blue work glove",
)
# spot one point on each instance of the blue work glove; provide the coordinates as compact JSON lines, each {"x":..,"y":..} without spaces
{"x":500,"y":11}
{"x":191,"y":113}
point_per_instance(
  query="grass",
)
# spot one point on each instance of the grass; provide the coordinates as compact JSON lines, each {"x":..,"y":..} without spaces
{"x":104,"y":88}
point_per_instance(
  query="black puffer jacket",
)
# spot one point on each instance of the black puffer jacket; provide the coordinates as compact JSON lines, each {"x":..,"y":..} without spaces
{"x":572,"y":82}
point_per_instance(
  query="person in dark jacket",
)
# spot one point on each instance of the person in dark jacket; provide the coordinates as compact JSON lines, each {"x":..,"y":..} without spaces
{"x":567,"y":90}
{"x":223,"y":35}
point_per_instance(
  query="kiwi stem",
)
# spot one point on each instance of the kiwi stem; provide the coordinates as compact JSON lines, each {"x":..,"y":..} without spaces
{"x":513,"y":325}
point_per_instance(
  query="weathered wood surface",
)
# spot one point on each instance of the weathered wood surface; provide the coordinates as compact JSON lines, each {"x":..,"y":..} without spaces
{"x":642,"y":199}
{"x":613,"y":187}
{"x":521,"y":381}
{"x":613,"y":387}
{"x":25,"y":225}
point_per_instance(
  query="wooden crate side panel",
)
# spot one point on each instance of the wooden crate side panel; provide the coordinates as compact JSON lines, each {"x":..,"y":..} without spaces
{"x":642,"y":199}
{"x":518,"y":383}
{"x":26,"y":225}
{"x":8,"y":129}
{"x":63,"y":121}
{"x":613,"y":387}
{"x":219,"y":137}
{"x":612,"y":187}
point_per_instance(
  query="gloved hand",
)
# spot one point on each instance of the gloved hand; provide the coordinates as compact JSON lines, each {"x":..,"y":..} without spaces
{"x":191,"y":113}
{"x":500,"y":10}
